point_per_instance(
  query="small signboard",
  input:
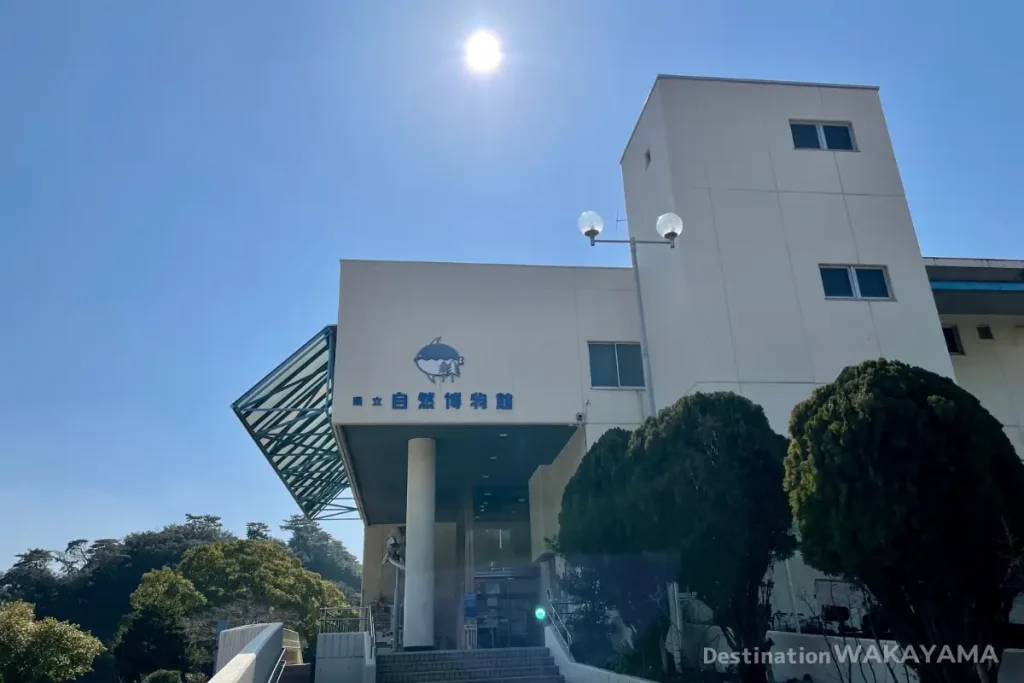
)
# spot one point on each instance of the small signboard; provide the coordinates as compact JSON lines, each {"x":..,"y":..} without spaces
{"x":469,"y":605}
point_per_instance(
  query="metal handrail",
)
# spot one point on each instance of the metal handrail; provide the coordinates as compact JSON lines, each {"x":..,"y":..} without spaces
{"x":278,"y":670}
{"x":557,"y":621}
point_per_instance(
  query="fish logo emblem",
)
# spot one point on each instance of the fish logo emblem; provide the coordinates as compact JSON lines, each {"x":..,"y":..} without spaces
{"x":439,"y":361}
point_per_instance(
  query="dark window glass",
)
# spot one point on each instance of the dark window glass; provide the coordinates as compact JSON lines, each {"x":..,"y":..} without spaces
{"x":985,"y":332}
{"x":871,"y":282}
{"x":805,"y":135}
{"x":952,"y":339}
{"x":603,"y":372}
{"x":631,"y":365}
{"x":836,"y":281}
{"x":838,"y":137}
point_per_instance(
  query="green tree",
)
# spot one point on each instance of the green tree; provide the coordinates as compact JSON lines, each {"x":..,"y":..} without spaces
{"x":168,"y":591}
{"x":257,"y":531}
{"x":322,"y":553}
{"x":150,"y":640}
{"x":902,"y":482}
{"x":257,"y":575}
{"x":43,"y":651}
{"x":608,"y":563}
{"x":706,"y":486}
{"x":163,"y":676}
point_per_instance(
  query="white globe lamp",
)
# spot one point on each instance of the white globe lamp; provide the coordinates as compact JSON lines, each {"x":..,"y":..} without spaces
{"x":669,"y":226}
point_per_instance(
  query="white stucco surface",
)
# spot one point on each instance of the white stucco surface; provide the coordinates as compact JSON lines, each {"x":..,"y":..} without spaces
{"x":521,"y":330}
{"x":739,"y":304}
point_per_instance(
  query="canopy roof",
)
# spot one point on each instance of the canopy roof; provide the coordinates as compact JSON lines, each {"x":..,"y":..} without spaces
{"x":288,"y":415}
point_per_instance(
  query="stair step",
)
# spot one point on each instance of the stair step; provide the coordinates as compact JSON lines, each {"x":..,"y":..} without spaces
{"x":508,"y":670}
{"x":449,"y":655}
{"x":391,"y":666}
{"x":521,"y":679}
{"x":296,"y":673}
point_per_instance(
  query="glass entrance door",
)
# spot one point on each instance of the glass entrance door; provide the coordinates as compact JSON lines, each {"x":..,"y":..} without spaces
{"x":505,"y":606}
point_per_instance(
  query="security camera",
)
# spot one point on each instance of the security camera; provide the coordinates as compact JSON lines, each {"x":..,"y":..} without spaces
{"x":580,"y":417}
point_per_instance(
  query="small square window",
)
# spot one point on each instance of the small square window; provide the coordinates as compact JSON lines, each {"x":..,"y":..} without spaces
{"x":604,"y":370}
{"x":871,"y":283}
{"x":836,"y":282}
{"x":805,"y":135}
{"x":837,"y":137}
{"x":631,"y":365}
{"x":952,"y":335}
{"x":985,"y":332}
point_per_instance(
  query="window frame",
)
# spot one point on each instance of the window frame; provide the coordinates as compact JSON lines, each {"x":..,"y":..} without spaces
{"x":956,"y":336}
{"x":851,"y":274}
{"x":822,"y":144}
{"x":618,"y":371}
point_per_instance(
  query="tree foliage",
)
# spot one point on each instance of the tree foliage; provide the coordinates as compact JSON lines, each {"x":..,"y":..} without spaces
{"x":151,"y":640}
{"x":42,"y":651}
{"x":901,"y":481}
{"x":92,"y":583}
{"x":708,"y":478}
{"x":322,"y":553}
{"x":694,"y":496}
{"x":163,"y":676}
{"x":259,"y":575}
{"x":168,"y":591}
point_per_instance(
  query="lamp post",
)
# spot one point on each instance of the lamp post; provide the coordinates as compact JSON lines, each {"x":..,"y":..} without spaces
{"x":669,"y":226}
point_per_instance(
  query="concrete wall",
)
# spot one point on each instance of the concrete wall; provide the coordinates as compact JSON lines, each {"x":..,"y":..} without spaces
{"x":574,"y":672}
{"x":231,"y":641}
{"x":379,"y":579}
{"x":739,"y":304}
{"x":345,"y":658}
{"x":253,"y":662}
{"x":993,"y":370}
{"x":521,"y":329}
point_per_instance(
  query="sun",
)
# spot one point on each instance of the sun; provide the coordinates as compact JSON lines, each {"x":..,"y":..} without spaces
{"x":483,"y":52}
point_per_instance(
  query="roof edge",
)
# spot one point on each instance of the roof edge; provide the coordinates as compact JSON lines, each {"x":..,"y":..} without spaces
{"x":755,"y":81}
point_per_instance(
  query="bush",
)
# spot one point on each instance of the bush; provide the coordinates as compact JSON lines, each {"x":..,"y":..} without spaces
{"x":902,"y":482}
{"x":163,"y":676}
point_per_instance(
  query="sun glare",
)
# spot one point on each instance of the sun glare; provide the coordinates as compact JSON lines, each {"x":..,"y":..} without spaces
{"x":483,"y":52}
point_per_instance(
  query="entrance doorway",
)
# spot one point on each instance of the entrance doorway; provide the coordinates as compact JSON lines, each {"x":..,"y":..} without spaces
{"x":506,"y":600}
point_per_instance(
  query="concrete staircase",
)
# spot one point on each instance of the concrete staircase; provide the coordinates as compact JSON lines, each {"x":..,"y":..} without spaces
{"x":510,"y":665}
{"x":297,"y":673}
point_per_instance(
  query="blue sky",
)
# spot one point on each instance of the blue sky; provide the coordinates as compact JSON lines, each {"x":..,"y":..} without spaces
{"x":179,"y":179}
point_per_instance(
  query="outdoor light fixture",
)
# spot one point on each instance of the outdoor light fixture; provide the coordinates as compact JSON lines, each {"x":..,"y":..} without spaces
{"x":670,"y":227}
{"x":590,"y":224}
{"x":540,"y":613}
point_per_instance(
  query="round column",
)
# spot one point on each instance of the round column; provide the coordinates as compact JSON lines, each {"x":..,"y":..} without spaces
{"x":418,"y":626}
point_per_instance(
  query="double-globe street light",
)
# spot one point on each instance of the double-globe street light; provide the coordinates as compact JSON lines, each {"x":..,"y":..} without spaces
{"x":669,"y":226}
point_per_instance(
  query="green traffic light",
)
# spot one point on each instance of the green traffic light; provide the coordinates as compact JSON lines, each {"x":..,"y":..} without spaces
{"x":540,"y":613}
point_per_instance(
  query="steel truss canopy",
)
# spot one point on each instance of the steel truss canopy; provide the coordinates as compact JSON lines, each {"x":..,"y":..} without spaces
{"x":288,"y":415}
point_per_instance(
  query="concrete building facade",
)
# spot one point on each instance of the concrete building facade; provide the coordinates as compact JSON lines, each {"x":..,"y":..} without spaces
{"x":461,"y":398}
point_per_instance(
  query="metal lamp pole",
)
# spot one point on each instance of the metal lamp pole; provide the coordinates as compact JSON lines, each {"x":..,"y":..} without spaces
{"x":669,"y":226}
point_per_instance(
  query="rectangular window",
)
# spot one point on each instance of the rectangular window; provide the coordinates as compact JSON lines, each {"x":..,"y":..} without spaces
{"x":855,"y":282}
{"x":952,"y":335}
{"x":616,"y":366}
{"x":805,"y":135}
{"x":836,"y":282}
{"x":822,"y":135}
{"x":985,"y":332}
{"x":871,"y":283}
{"x":838,"y":137}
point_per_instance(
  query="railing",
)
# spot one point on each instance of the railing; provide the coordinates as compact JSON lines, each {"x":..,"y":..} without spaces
{"x":350,"y":620}
{"x":275,"y":674}
{"x":345,"y":619}
{"x":558,"y":622}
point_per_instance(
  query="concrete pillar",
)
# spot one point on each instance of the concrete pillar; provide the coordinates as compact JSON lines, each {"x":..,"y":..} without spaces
{"x":418,"y":619}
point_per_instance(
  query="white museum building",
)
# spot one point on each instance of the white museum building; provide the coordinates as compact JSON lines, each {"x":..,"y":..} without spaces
{"x":456,"y":400}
